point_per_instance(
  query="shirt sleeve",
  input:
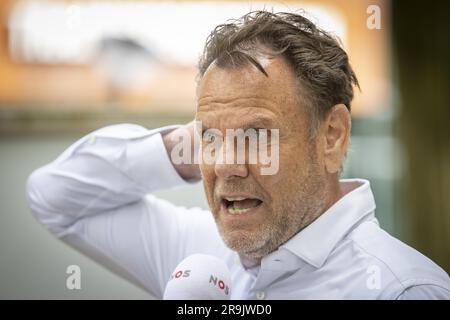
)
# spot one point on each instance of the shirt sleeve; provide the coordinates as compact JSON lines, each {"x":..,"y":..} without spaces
{"x":425,"y":292}
{"x":95,"y":197}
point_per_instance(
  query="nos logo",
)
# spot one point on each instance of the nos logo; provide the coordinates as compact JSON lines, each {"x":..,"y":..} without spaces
{"x":219,"y":283}
{"x":180,"y":273}
{"x":212,"y":279}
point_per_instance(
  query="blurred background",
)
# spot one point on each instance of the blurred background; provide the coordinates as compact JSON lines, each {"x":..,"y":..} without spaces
{"x":69,"y":67}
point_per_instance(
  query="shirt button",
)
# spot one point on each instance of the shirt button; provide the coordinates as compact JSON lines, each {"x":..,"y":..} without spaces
{"x":260,"y":295}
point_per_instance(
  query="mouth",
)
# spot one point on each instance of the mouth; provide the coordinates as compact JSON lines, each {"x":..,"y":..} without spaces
{"x":239,"y":205}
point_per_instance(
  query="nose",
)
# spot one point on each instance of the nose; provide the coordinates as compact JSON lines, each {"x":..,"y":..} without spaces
{"x":227,"y":169}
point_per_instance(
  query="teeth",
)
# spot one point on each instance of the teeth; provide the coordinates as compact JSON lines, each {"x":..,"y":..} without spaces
{"x":232,"y":210}
{"x":235,"y":198}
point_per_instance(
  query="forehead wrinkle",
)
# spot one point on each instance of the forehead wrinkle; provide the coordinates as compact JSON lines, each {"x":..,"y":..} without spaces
{"x":209,"y":102}
{"x":226,"y":85}
{"x":253,"y":112}
{"x":244,"y":118}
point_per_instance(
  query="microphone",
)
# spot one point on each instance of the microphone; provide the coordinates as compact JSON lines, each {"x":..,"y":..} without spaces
{"x":199,"y":277}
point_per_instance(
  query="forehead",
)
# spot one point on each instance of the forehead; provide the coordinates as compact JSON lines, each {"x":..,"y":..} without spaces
{"x":234,"y":89}
{"x":225,"y":82}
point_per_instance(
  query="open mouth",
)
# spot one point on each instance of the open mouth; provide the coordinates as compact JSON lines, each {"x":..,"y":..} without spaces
{"x":240,"y":205}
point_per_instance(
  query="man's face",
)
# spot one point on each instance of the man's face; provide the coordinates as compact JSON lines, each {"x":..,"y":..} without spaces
{"x":257,"y":213}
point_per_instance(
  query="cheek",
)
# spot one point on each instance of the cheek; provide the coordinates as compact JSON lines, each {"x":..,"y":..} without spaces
{"x":294,"y":155}
{"x":290,"y":161}
{"x":267,"y":184}
{"x":206,"y":170}
{"x":293,"y":167}
{"x":208,"y":176}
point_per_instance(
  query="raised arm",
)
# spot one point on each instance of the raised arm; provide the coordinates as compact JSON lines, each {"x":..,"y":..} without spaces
{"x":94,"y":196}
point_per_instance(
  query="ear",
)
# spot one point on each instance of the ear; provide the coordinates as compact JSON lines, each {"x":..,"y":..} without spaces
{"x":337,"y":128}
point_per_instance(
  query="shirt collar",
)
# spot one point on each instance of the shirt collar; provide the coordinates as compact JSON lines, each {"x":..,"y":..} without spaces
{"x":315,"y":242}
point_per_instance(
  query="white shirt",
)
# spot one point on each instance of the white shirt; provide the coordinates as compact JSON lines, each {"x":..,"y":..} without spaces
{"x":96,"y":197}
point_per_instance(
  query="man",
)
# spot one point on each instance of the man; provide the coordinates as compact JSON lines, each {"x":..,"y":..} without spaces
{"x":298,"y":233}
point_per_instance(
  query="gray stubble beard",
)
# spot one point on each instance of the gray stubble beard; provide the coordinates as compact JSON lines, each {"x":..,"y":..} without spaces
{"x":303,"y":210}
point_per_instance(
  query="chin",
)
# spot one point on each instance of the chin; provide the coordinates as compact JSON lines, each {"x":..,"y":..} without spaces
{"x":241,"y":241}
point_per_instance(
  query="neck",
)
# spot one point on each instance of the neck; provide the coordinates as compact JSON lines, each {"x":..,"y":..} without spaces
{"x":335,"y":191}
{"x":248,"y":262}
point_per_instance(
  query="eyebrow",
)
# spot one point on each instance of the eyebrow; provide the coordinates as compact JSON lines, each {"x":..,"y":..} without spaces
{"x":259,"y":122}
{"x":256,"y":123}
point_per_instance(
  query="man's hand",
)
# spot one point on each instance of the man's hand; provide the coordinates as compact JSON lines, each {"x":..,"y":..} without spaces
{"x":189,"y":172}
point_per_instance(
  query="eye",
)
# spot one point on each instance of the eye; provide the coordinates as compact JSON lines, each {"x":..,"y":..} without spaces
{"x":209,"y":136}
